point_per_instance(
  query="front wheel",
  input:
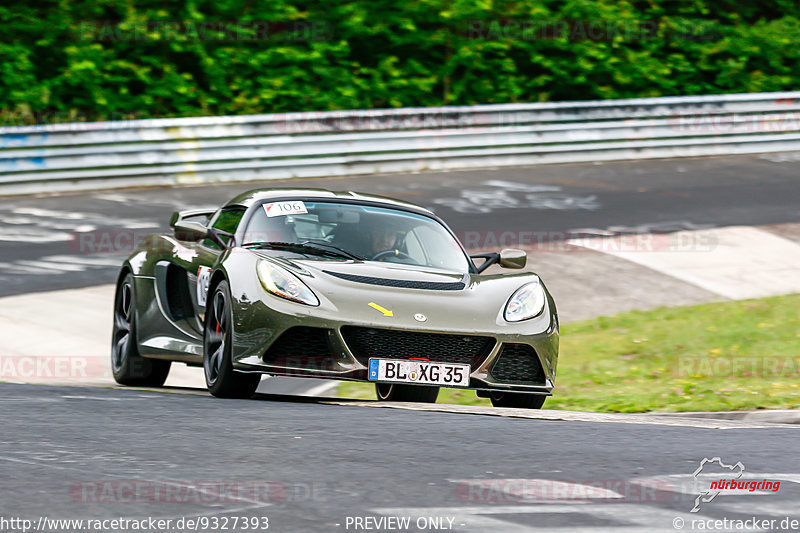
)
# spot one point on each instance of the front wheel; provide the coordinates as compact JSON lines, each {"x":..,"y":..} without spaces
{"x":519,"y":400}
{"x":127,"y":366}
{"x":221,"y":379}
{"x":392,"y":392}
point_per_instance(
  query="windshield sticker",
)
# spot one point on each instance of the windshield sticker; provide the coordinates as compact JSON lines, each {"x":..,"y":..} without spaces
{"x":278,"y":209}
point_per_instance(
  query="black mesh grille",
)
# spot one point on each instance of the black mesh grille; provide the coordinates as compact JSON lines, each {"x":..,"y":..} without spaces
{"x":301,"y":347}
{"x":402,"y":283}
{"x":439,"y":347}
{"x":517,"y":363}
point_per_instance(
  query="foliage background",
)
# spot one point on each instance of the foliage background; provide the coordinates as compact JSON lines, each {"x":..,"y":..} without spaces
{"x":64,"y":60}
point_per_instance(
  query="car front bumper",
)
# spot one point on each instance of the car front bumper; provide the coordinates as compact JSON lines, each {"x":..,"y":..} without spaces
{"x":264,"y":334}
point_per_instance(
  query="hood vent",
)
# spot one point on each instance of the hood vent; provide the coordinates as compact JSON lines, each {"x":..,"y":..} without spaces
{"x":401,"y":283}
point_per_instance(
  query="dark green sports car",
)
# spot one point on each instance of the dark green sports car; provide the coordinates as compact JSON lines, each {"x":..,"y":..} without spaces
{"x":341,"y":285}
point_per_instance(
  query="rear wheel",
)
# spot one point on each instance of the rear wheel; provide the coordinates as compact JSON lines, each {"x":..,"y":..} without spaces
{"x":392,"y":392}
{"x":127,"y":366}
{"x":517,"y":399}
{"x":221,"y":379}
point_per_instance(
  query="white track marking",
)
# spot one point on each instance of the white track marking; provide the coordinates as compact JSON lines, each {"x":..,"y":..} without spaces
{"x":112,"y":197}
{"x":84,"y":228}
{"x":32,"y":235}
{"x":652,"y":227}
{"x":49,"y":213}
{"x":70,"y":220}
{"x":735,"y":262}
{"x":59,"y":264}
{"x":130,"y":223}
{"x":47,"y":265}
{"x":48,"y":223}
{"x":173,"y":204}
{"x":16,"y":220}
{"x":95,"y":261}
{"x":522,"y":187}
{"x":13,"y":268}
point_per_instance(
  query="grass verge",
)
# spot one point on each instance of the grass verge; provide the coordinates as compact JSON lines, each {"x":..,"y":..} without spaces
{"x":713,"y":357}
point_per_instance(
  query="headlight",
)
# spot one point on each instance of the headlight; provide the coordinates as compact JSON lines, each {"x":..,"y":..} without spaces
{"x":527,"y":302}
{"x":281,"y":282}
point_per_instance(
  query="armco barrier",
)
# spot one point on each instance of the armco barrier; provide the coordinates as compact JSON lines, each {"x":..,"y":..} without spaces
{"x":76,"y":156}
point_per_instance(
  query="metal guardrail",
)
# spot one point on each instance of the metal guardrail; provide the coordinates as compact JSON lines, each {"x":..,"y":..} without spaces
{"x":76,"y":156}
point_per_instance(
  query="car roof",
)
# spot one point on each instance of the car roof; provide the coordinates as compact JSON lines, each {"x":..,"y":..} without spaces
{"x":249,"y":198}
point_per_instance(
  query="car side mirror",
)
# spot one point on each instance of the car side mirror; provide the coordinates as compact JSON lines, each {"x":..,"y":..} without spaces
{"x":188,"y":230}
{"x":513,"y":258}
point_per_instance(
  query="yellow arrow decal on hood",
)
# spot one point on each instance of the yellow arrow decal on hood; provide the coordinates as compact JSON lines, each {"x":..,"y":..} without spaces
{"x":383,"y":310}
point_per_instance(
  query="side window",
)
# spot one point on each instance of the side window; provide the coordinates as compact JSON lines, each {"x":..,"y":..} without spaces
{"x":226,"y":220}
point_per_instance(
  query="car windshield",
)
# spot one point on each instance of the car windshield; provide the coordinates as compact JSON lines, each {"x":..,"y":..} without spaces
{"x":367,"y":232}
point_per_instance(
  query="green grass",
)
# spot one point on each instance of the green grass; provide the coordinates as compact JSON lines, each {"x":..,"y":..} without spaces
{"x":712,"y":357}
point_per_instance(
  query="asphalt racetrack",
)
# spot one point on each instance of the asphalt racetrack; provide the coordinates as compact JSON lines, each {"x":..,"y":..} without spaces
{"x":93,"y":453}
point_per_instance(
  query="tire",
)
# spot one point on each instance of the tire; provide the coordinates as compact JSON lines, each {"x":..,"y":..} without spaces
{"x":392,"y":392}
{"x":520,"y":400}
{"x":127,"y":366}
{"x":221,"y":379}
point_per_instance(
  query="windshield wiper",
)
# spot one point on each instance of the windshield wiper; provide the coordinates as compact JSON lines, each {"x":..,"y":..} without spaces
{"x":311,"y":247}
{"x":333,"y":248}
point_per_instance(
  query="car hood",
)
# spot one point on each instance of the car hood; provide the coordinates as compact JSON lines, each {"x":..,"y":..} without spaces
{"x":446,"y":300}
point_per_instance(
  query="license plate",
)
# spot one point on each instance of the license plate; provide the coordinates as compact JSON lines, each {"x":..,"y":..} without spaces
{"x":421,"y":372}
